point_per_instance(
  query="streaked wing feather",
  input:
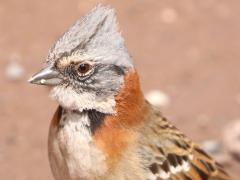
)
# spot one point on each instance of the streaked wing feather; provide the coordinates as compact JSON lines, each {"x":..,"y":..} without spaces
{"x":171,"y":155}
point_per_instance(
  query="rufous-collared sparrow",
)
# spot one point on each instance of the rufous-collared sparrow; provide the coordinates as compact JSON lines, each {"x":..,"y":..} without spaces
{"x":104,"y":128}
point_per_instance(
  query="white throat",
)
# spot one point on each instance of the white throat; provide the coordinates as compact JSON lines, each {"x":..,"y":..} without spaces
{"x":82,"y":159}
{"x":71,"y":100}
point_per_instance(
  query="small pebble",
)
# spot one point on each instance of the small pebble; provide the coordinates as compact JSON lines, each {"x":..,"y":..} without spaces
{"x":169,"y":15}
{"x":231,"y":139}
{"x":216,"y":150}
{"x":14,"y":70}
{"x":158,"y":98}
{"x":212,"y":147}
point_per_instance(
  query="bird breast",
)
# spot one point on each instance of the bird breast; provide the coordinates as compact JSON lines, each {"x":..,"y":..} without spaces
{"x":72,"y":151}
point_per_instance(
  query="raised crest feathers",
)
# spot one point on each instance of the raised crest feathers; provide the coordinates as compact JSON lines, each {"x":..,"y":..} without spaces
{"x":95,"y":36}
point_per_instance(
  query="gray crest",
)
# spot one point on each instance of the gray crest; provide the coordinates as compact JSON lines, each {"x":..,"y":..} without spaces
{"x":96,"y":36}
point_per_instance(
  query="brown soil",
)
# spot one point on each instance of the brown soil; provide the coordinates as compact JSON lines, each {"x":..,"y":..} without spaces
{"x":188,"y":49}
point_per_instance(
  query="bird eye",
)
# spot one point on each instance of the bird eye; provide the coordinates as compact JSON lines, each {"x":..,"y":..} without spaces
{"x":83,"y":69}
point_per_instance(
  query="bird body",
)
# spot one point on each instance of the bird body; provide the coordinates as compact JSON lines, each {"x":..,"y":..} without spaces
{"x":104,"y":129}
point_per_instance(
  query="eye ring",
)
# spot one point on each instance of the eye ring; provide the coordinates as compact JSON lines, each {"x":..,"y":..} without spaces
{"x":84,"y":69}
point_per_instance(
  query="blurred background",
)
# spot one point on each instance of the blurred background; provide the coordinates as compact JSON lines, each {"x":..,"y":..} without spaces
{"x":187,"y":54}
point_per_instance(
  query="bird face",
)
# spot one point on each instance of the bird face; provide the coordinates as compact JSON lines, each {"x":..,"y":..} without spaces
{"x":87,"y":65}
{"x":82,"y":84}
{"x":86,"y":75}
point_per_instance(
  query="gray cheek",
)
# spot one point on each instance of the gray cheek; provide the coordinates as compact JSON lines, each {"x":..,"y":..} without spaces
{"x":108,"y":84}
{"x":104,"y":84}
{"x":112,"y":79}
{"x":106,"y":81}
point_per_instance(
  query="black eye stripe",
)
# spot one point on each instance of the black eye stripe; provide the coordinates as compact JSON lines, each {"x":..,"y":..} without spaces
{"x":118,"y":70}
{"x":111,"y":67}
{"x":71,"y":72}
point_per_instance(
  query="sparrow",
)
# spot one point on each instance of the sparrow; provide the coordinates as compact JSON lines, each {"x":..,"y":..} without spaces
{"x":104,"y":129}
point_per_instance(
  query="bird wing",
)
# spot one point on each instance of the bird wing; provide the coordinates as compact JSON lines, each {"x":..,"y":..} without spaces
{"x":169,"y":154}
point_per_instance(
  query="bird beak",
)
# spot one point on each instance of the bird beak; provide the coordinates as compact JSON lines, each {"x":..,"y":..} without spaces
{"x":47,"y":76}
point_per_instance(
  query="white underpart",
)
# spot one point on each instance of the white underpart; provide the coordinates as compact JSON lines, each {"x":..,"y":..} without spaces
{"x":69,"y":99}
{"x":81,"y":157}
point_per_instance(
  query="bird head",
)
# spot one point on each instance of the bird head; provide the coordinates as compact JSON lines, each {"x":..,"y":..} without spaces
{"x":87,"y":65}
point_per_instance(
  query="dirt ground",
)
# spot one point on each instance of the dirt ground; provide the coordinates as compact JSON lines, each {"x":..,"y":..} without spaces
{"x":188,"y":49}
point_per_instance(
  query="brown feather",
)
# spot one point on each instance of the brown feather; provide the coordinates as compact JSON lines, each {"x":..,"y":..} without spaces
{"x":174,"y":148}
{"x":115,"y":134}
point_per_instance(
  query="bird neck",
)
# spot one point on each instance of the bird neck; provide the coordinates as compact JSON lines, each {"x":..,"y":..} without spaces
{"x":116,"y":134}
{"x":130,"y":101}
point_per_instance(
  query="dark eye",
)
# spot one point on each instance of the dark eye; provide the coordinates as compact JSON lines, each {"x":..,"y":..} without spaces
{"x":83,"y":69}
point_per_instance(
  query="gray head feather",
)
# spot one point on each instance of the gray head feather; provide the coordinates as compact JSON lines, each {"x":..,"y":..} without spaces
{"x":95,"y":36}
